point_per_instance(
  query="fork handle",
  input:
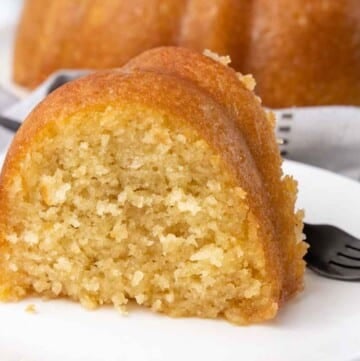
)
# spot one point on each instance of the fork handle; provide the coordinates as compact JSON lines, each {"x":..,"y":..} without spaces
{"x":10,"y":124}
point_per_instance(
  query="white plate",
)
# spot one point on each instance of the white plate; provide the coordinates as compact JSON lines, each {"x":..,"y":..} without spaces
{"x":321,"y":324}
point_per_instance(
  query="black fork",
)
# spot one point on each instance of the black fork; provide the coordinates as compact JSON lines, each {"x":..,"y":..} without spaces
{"x":54,"y":82}
{"x":9,"y":124}
{"x":333,"y":253}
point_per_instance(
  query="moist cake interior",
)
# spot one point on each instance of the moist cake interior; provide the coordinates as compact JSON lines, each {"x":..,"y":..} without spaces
{"x":142,"y":209}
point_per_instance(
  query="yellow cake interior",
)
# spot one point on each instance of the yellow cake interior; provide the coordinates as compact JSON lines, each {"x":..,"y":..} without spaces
{"x":140,"y":209}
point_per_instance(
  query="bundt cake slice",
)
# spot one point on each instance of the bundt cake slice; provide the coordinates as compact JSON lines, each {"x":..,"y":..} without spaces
{"x":159,"y":182}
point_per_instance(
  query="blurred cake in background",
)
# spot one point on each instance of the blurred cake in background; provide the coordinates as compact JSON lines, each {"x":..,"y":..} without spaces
{"x":309,"y":49}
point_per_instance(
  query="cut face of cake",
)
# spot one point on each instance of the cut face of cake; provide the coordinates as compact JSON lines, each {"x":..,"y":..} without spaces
{"x":160,"y":183}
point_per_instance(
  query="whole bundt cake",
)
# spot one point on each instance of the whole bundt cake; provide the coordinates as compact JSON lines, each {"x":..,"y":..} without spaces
{"x":302,"y":52}
{"x":159,"y":182}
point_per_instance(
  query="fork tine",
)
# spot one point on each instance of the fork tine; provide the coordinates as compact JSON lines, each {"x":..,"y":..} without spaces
{"x":344,"y":273}
{"x":350,"y":253}
{"x":345,"y":262}
{"x":354,"y":245}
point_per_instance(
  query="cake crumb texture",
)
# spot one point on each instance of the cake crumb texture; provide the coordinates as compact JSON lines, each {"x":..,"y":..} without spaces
{"x":157,"y":222}
{"x":138,"y":185}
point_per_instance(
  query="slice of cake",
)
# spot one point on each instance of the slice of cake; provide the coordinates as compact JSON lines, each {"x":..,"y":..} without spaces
{"x":159,"y":182}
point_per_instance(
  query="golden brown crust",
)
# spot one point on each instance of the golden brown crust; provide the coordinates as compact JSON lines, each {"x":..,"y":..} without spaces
{"x":306,"y":55}
{"x":210,"y":98}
